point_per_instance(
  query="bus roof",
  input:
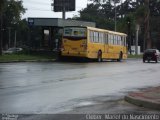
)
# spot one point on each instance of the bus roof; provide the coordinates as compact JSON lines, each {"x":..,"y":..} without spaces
{"x":100,"y":30}
{"x":109,"y":31}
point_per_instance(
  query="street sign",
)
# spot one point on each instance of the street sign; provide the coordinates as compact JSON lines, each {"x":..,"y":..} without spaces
{"x":30,"y":22}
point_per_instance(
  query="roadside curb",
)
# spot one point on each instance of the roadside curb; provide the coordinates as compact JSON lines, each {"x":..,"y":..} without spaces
{"x":144,"y":98}
{"x":134,"y":58}
{"x":142,"y":103}
{"x":43,"y":60}
{"x":47,"y":60}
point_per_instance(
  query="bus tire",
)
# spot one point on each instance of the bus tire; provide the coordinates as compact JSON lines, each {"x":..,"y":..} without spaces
{"x":99,"y":56}
{"x":120,"y":57}
{"x":156,"y":60}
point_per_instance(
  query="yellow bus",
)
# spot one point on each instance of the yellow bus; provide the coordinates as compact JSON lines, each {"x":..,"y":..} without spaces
{"x":93,"y":43}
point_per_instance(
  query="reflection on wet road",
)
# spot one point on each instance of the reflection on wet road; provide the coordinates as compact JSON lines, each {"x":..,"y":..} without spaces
{"x":56,"y":87}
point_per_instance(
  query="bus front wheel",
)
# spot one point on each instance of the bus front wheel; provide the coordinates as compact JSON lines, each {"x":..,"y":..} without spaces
{"x":99,"y":56}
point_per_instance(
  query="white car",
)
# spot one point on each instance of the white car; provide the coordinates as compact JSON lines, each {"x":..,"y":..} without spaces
{"x":12,"y":50}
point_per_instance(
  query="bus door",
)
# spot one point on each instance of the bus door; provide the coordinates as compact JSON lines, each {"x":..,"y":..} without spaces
{"x":106,"y":44}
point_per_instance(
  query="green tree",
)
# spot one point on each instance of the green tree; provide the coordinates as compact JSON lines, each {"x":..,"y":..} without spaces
{"x":22,"y":33}
{"x":103,"y":13}
{"x":1,"y":11}
{"x":11,"y":12}
{"x":147,"y":12}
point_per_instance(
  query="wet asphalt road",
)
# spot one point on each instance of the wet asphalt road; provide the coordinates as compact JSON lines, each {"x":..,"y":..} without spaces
{"x":56,"y":87}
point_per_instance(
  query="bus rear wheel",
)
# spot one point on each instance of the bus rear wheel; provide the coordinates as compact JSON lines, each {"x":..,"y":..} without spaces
{"x":99,"y":56}
{"x":120,"y":57}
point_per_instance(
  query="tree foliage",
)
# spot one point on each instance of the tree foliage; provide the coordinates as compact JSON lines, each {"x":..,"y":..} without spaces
{"x":134,"y":11}
{"x":11,"y":11}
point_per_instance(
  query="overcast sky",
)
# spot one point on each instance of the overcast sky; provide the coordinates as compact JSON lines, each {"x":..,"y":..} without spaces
{"x":42,"y":8}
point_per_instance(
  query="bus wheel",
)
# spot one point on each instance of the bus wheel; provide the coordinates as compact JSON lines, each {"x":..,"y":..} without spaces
{"x":99,"y":56}
{"x":120,"y":57}
{"x":156,"y":60}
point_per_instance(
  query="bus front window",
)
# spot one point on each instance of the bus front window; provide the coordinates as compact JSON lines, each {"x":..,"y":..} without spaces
{"x":68,"y":32}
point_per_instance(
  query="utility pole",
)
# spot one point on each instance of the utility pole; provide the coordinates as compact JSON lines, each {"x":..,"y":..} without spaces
{"x":60,"y":6}
{"x":136,"y":43}
{"x":64,"y":12}
{"x":2,"y":3}
{"x":115,"y":17}
{"x":9,"y":37}
{"x":129,"y":35}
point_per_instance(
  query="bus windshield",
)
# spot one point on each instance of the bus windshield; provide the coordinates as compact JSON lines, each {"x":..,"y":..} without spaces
{"x":78,"y":32}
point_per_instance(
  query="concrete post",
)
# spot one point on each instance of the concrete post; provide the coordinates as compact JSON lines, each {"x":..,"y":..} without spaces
{"x":136,"y":43}
{"x":15,"y":39}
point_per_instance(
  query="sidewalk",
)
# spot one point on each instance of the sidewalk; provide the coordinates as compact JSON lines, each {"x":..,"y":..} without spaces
{"x":149,"y":98}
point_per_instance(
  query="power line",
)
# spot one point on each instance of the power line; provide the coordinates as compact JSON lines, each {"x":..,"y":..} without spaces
{"x":38,"y":9}
{"x":36,"y":2}
{"x":79,"y":7}
{"x":32,"y":3}
{"x":42,"y":4}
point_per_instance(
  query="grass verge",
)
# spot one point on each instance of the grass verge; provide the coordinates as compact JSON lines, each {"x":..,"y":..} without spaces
{"x":135,"y":56}
{"x":24,"y":57}
{"x":37,"y":57}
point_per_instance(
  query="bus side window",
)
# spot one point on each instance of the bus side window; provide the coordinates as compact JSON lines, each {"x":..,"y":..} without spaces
{"x":109,"y":38}
{"x":106,"y":38}
{"x":91,"y":36}
{"x":75,"y":33}
{"x":89,"y":33}
{"x":116,"y":40}
{"x":122,"y":41}
{"x":112,"y":38}
{"x":125,"y":42}
{"x":96,"y":37}
{"x":119,"y":40}
{"x":117,"y":37}
{"x":101,"y":37}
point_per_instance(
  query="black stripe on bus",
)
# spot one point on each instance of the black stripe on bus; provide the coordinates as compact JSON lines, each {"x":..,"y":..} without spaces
{"x":74,"y":38}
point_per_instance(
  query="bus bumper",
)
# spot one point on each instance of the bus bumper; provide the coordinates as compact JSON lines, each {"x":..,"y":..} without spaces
{"x":74,"y":54}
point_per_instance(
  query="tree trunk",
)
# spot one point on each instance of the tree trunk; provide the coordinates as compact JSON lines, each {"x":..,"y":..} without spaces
{"x":1,"y":38}
{"x":1,"y":24}
{"x":147,"y":37}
